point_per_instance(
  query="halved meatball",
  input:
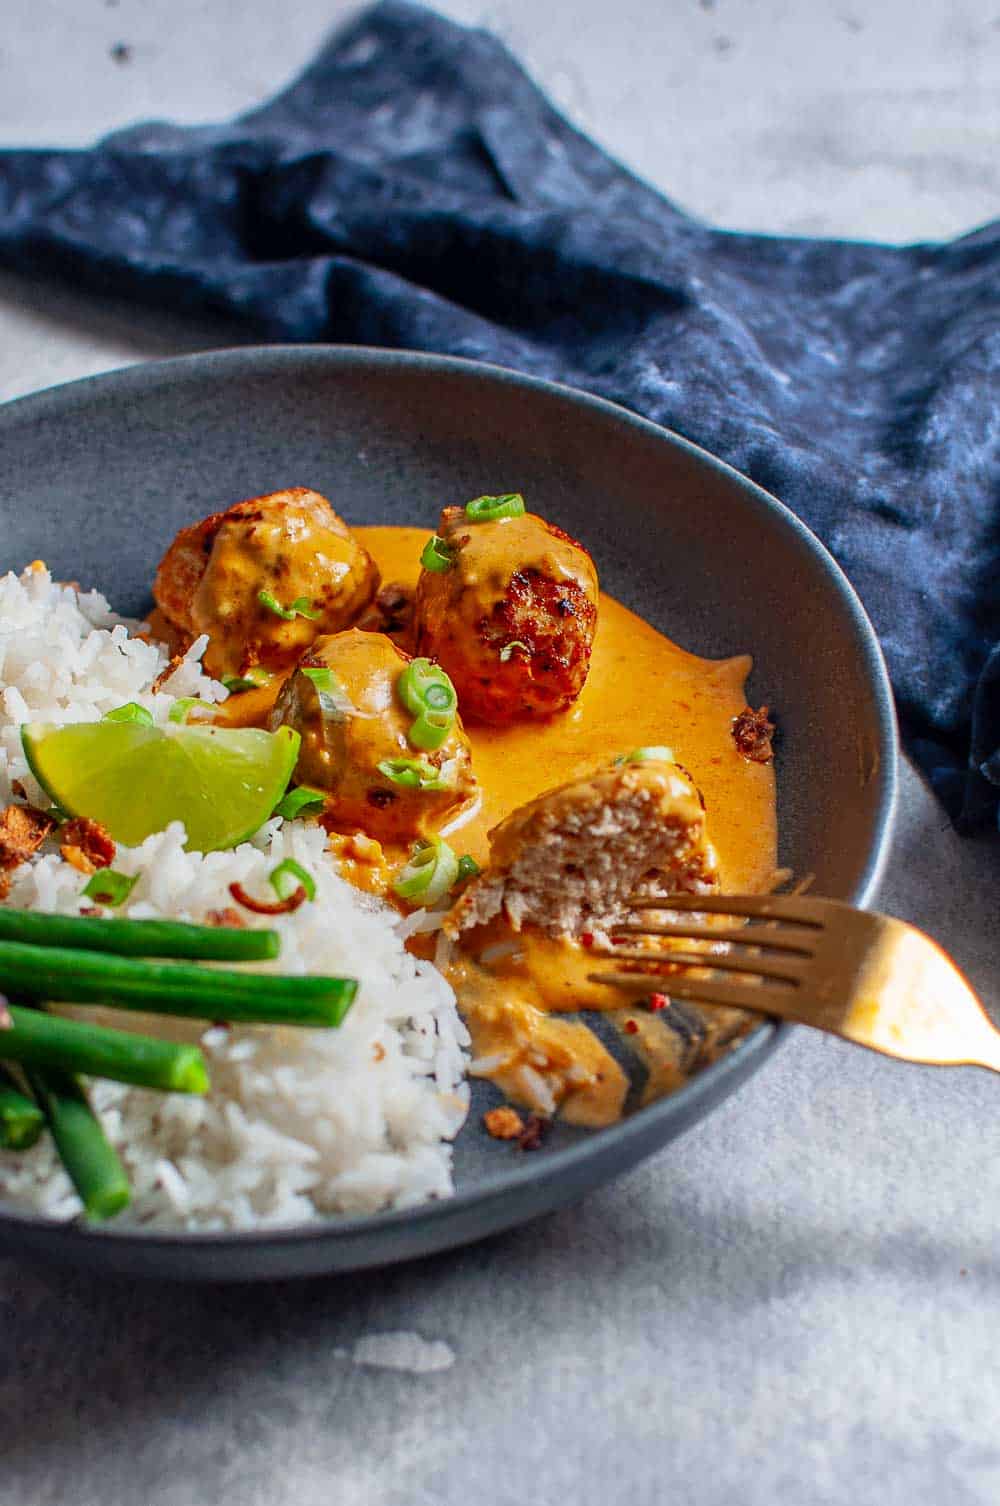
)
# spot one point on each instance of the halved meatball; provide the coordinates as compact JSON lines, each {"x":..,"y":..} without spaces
{"x":264,"y":579}
{"x":344,"y":699}
{"x":565,"y":863}
{"x":510,"y":614}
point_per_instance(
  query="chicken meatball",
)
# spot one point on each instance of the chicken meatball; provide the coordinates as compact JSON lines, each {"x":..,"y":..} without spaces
{"x":566,"y":862}
{"x":508,"y":605}
{"x":264,"y":579}
{"x":352,"y":699}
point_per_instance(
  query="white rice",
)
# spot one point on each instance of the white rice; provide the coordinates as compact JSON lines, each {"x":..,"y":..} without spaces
{"x":299,"y":1124}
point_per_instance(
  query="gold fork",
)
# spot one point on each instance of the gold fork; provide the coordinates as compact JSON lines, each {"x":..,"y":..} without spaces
{"x":869,"y":978}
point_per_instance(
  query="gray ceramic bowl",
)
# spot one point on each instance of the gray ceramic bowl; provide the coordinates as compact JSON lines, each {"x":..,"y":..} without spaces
{"x":98,"y":475}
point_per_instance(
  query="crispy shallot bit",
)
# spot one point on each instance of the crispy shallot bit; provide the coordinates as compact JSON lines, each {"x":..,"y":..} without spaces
{"x":17,"y":788}
{"x":86,"y":845}
{"x":23,"y":829}
{"x":176,"y":660}
{"x":503,"y":1123}
{"x":226,"y":917}
{"x":752,"y":733}
{"x":268,"y":907}
{"x":76,"y":858}
{"x":531,"y":1136}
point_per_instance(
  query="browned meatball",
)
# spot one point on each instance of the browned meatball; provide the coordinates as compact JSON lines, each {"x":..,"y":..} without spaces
{"x":356,"y":741}
{"x":511,"y":618}
{"x":235,"y":574}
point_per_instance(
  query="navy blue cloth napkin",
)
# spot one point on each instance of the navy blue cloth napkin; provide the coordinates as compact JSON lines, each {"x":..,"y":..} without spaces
{"x":413,"y":188}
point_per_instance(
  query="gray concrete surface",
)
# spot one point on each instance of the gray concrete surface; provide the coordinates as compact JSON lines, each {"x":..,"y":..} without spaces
{"x":804,"y":1307}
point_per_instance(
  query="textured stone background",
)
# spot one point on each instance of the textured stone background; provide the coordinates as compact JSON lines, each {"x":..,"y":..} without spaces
{"x":801,"y":1302}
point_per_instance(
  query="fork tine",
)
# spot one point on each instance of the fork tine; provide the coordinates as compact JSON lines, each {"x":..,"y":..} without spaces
{"x":737,"y":993}
{"x":763,"y":936}
{"x":796,"y":908}
{"x":761,"y":967}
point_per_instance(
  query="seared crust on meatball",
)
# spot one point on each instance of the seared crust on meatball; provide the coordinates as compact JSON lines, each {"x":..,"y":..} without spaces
{"x":566,"y":862}
{"x":351,"y":722}
{"x":292,"y":547}
{"x":512,"y":618}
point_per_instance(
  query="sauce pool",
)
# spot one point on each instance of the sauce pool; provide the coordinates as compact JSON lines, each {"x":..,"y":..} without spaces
{"x":642,"y":690}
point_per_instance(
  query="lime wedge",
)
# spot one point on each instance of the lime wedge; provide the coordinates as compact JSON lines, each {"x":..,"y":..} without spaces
{"x":222,"y":782}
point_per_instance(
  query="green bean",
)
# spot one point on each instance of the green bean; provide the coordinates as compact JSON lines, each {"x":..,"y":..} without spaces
{"x":139,"y":938}
{"x":21,"y":1120}
{"x":37,"y":972}
{"x":91,"y":1162}
{"x":50,"y":1040}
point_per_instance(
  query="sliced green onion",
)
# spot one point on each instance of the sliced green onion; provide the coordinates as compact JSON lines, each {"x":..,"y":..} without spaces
{"x":287,"y":877}
{"x":334,"y":702}
{"x":413,"y":773}
{"x":429,"y":732}
{"x":130,"y":712}
{"x":301,"y":801}
{"x":303,"y":607}
{"x":468,"y":869}
{"x":509,"y":648}
{"x":181,"y":708}
{"x":109,"y":887}
{"x":254,"y":679}
{"x":490,"y":509}
{"x":647,"y":755}
{"x":430,"y":873}
{"x":438,"y":556}
{"x":300,"y":607}
{"x":426,"y":691}
{"x":415,"y":681}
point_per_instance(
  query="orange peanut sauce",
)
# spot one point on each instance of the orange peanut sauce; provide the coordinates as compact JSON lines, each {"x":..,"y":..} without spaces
{"x":641,"y":690}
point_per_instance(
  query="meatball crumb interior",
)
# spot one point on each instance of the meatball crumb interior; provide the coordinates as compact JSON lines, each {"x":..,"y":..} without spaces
{"x":566,"y":862}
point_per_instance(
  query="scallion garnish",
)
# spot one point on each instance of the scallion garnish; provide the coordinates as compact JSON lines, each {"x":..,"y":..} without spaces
{"x":288,"y":876}
{"x":413,"y":773}
{"x":468,"y":869}
{"x":426,"y":691}
{"x":647,"y":755}
{"x":334,"y":702}
{"x":108,"y":887}
{"x":130,"y":712}
{"x":430,"y":873}
{"x":300,"y":607}
{"x":254,"y":679}
{"x":508,"y":649}
{"x":181,"y":708}
{"x":490,"y":509}
{"x":438,"y":556}
{"x":302,"y":801}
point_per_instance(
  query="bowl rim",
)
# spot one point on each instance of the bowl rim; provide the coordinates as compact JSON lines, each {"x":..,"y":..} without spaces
{"x":241,"y":360}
